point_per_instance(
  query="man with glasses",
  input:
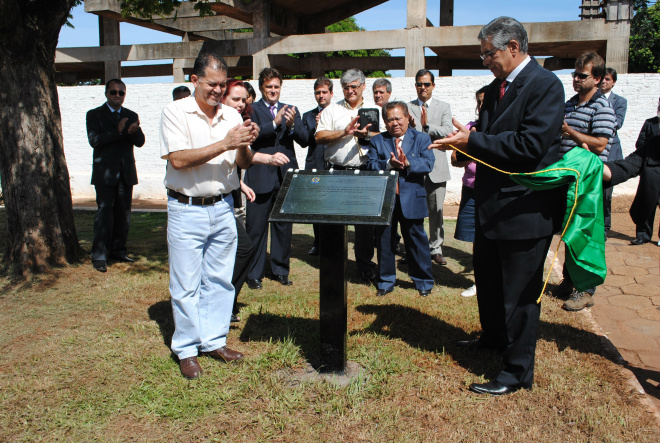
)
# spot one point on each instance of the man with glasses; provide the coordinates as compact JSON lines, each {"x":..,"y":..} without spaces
{"x":113,"y":131}
{"x":204,"y":143}
{"x":433,"y":117}
{"x":589,"y":121}
{"x":519,"y":130}
{"x":346,"y":148}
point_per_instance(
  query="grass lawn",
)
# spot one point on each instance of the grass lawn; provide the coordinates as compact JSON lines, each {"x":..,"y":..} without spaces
{"x":86,"y":358}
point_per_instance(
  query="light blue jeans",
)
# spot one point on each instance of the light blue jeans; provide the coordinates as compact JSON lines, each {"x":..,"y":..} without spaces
{"x":202,"y":246}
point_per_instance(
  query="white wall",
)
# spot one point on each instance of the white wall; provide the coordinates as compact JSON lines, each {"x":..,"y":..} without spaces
{"x":641,"y":90}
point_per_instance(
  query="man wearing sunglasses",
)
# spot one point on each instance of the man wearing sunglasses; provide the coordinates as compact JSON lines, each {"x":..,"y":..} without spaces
{"x":433,"y":117}
{"x":588,"y":120}
{"x":113,"y":131}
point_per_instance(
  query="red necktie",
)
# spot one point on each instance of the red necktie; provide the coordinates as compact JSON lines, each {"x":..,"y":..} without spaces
{"x":503,"y":86}
{"x":397,"y":144}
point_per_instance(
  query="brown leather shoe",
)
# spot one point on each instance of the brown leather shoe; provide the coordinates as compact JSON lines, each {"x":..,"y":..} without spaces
{"x":224,"y":354}
{"x":439,"y":259}
{"x":190,"y":368}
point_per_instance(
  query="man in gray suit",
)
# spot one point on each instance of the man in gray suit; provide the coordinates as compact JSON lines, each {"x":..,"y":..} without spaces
{"x":620,"y":106}
{"x":433,"y":117}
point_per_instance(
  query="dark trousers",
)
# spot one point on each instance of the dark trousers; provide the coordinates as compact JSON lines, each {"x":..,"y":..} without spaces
{"x":244,"y":252}
{"x":509,"y":279}
{"x":280,"y":237}
{"x":112,"y":220}
{"x":364,"y":247}
{"x":645,"y":230}
{"x":607,"y":207}
{"x":417,"y":251}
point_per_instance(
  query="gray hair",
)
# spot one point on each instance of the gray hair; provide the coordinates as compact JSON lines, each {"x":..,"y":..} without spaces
{"x":352,"y":75}
{"x":502,"y":30}
{"x":382,"y":82}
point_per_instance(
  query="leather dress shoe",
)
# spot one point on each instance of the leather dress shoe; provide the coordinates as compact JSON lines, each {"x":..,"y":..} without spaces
{"x":123,"y":258}
{"x":475,"y":345}
{"x":368,"y":275}
{"x":493,"y":387}
{"x":100,"y":265}
{"x":314,"y":251}
{"x":235,"y":318}
{"x":439,"y":259}
{"x":424,"y":292}
{"x":190,"y":368}
{"x":224,"y":353}
{"x":638,"y":241}
{"x":254,"y":284}
{"x":283,"y":280}
{"x":382,"y":292}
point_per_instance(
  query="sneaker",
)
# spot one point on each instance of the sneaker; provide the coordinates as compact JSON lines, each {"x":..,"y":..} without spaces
{"x":564,"y":290}
{"x":470,"y":292}
{"x":579,"y":301}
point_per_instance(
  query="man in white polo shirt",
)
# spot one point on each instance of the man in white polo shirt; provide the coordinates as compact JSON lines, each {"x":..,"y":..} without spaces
{"x":203,"y":142}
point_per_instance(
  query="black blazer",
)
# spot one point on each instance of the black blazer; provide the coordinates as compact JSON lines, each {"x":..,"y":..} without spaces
{"x":645,"y":162}
{"x":113,"y":152}
{"x":262,"y":178}
{"x":651,"y":128}
{"x":315,"y":153}
{"x":520,"y":134}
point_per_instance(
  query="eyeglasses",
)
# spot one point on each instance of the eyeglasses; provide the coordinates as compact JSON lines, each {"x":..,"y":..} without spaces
{"x":351,"y":87}
{"x":425,"y":84}
{"x":489,"y":54}
{"x":115,"y":92}
{"x":580,"y":75}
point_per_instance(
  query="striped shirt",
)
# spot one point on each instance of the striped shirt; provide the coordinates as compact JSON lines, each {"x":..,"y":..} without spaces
{"x":595,"y":117}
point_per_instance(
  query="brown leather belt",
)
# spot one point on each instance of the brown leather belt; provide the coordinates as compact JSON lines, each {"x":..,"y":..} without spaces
{"x":197,"y":201}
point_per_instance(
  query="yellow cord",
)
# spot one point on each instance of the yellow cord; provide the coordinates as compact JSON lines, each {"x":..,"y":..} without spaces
{"x":570,"y":216}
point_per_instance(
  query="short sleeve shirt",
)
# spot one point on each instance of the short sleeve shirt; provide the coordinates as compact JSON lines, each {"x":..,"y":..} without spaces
{"x":184,"y":126}
{"x":595,"y":118}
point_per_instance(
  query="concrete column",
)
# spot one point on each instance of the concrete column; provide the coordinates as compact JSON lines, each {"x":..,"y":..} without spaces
{"x":109,"y":36}
{"x":416,"y":14}
{"x":260,"y":32}
{"x":616,"y":55}
{"x":317,"y":65}
{"x":177,"y":67}
{"x":414,"y":51}
{"x":446,"y":12}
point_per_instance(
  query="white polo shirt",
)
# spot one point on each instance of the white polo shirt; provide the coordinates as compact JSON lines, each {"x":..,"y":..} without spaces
{"x":183,"y":125}
{"x":346,"y":150}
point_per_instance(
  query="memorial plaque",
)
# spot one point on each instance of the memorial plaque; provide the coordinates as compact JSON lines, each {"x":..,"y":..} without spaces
{"x":336,"y":197}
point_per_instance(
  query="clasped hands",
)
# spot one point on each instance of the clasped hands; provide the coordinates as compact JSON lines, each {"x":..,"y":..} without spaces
{"x":243,"y":135}
{"x":132,"y":128}
{"x":288,"y":113}
{"x":400,"y":160}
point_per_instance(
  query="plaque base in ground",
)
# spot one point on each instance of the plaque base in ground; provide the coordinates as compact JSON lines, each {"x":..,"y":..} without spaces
{"x":335,"y":199}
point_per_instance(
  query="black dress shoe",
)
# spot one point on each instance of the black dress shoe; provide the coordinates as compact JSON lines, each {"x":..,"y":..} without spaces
{"x":493,"y":387}
{"x":100,"y":265}
{"x":283,"y":280}
{"x":382,"y":292}
{"x":424,"y":292}
{"x":475,"y":345}
{"x":123,"y":258}
{"x":235,"y":318}
{"x":439,"y":259}
{"x":638,"y":241}
{"x":254,"y":284}
{"x":368,"y":275}
{"x":314,"y":251}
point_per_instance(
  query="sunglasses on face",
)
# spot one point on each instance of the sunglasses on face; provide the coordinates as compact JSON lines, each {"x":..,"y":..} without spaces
{"x":427,"y":85}
{"x":580,"y":75}
{"x":115,"y":92}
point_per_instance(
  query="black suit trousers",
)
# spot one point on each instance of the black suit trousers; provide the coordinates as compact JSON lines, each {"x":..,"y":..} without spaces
{"x":509,"y":279}
{"x":256,"y":221}
{"x":112,"y":220}
{"x":244,"y":251}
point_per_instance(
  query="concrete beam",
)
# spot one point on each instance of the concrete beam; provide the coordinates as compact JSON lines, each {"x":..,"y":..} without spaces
{"x":282,"y":21}
{"x":318,"y":22}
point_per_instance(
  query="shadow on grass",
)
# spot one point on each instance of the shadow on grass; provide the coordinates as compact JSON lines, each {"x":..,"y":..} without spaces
{"x":161,"y":313}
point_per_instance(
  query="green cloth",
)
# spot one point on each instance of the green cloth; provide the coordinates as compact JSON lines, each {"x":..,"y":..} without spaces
{"x":585,"y":235}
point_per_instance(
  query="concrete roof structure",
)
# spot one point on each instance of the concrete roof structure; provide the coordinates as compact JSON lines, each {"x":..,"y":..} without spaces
{"x":260,"y":33}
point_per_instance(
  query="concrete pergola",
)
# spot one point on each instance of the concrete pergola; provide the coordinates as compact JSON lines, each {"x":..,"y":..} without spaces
{"x":260,"y":33}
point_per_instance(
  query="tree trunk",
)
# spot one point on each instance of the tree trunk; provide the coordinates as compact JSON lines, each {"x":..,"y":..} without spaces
{"x":35,"y":178}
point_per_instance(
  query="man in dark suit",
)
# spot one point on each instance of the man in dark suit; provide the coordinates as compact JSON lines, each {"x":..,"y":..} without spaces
{"x":406,"y":151}
{"x":650,"y":128}
{"x":279,"y":125}
{"x":113,"y":131}
{"x":323,"y":96}
{"x":620,"y":106}
{"x":519,"y":130}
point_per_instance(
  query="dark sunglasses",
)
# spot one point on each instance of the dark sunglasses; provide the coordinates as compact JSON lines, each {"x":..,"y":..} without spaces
{"x":115,"y":92}
{"x":580,"y":75}
{"x":419,"y":85}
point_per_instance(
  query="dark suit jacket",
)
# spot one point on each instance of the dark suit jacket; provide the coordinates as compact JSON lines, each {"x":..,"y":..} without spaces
{"x":262,"y":178}
{"x":113,"y":152}
{"x":412,"y":193}
{"x":520,"y":134}
{"x":645,"y":162}
{"x":314,"y":159}
{"x":620,"y":106}
{"x":651,"y":128}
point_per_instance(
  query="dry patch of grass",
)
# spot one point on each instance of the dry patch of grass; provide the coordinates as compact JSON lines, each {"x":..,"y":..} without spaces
{"x":86,"y":358}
